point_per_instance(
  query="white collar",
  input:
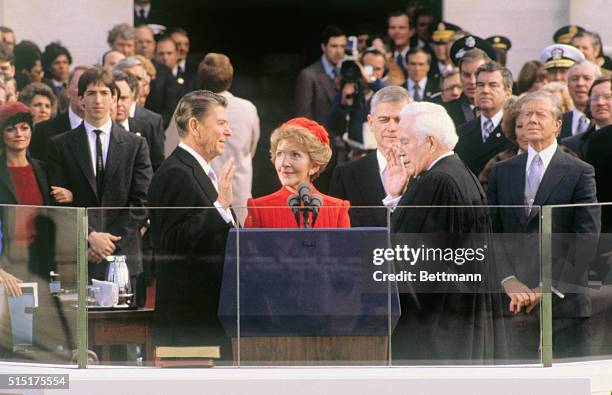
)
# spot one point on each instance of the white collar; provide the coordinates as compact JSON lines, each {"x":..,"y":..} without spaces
{"x":382,"y":161}
{"x":106,"y":128}
{"x":132,"y":110}
{"x":74,"y":119}
{"x":205,"y":165}
{"x":496,"y":119}
{"x":577,"y":113}
{"x":449,"y":153}
{"x":546,"y":154}
{"x":421,"y":84}
{"x":145,"y":8}
{"x":125,"y":124}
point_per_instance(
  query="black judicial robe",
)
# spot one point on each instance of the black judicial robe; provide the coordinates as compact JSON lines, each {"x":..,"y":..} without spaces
{"x":440,"y":324}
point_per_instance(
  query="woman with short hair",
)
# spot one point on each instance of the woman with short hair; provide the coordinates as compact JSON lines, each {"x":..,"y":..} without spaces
{"x":41,"y":100}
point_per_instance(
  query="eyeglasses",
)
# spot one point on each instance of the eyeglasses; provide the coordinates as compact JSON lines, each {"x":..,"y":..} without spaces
{"x":604,"y":97}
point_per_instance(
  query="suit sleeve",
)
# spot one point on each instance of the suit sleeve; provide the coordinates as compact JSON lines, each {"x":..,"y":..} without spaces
{"x":157,"y":149}
{"x":304,"y":95}
{"x":55,"y":166}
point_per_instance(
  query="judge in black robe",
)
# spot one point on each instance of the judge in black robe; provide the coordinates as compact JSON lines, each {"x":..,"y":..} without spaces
{"x":441,"y":322}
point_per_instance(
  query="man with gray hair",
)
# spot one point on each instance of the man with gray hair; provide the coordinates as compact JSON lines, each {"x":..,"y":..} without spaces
{"x":546,"y":175}
{"x":122,"y":38}
{"x":579,"y":81}
{"x":190,"y":243}
{"x":361,"y":181}
{"x":423,"y":170}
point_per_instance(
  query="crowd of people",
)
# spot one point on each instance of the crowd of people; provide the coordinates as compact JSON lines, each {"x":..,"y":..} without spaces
{"x":424,"y":115}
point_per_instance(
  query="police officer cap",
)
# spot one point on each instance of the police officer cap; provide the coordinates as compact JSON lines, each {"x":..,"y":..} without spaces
{"x":461,"y":46}
{"x":444,"y":31}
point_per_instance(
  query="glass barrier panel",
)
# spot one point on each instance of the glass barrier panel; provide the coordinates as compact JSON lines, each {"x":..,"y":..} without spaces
{"x":306,"y":291}
{"x":581,"y":245}
{"x":154,"y":295}
{"x":38,"y":284}
{"x":468,"y":279}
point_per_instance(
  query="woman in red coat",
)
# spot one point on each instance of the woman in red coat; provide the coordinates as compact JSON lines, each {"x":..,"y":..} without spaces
{"x":300,"y":151}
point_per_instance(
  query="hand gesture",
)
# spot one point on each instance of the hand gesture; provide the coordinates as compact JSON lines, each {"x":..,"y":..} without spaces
{"x":11,"y":283}
{"x":348,"y":92}
{"x":397,"y":173}
{"x":61,"y":195}
{"x":226,"y":195}
{"x":101,"y":245}
{"x":520,"y":296}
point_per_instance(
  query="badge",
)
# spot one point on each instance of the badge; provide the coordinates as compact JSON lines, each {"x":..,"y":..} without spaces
{"x":180,"y":80}
{"x":470,"y":42}
{"x":557,"y":53}
{"x":498,"y":135}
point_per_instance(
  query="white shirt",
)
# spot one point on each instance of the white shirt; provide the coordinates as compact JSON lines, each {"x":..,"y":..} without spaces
{"x":495,"y":118}
{"x":443,"y":68}
{"x":145,"y":8}
{"x":421,"y":84}
{"x":225,"y":213}
{"x":391,"y":202}
{"x":576,"y":114}
{"x":546,"y":154}
{"x":175,"y":68}
{"x":92,"y":137}
{"x":75,"y":120}
{"x":125,"y":124}
{"x":404,"y":52}
{"x":132,"y":110}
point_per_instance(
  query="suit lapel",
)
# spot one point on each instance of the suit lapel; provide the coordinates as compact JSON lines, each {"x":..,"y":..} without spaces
{"x":517,"y":187}
{"x":554,"y":174}
{"x":326,"y":83}
{"x":370,"y":171}
{"x":198,"y":173}
{"x":468,"y":113}
{"x":80,"y":150}
{"x":115,"y":156}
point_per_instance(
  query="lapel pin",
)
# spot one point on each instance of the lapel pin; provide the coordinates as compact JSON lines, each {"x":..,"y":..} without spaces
{"x":180,"y":80}
{"x":498,"y":135}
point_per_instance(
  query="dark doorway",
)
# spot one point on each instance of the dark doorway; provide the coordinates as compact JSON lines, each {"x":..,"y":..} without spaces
{"x":269,"y":42}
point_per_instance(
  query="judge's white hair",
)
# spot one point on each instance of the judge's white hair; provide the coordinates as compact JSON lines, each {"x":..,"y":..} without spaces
{"x":429,"y":119}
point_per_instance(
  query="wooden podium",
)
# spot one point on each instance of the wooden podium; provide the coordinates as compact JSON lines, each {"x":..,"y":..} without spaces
{"x":305,"y":298}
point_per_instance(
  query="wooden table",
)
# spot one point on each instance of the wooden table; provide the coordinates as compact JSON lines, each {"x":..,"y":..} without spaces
{"x":120,"y":327}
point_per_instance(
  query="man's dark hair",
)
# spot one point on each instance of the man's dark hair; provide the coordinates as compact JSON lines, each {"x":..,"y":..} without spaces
{"x":52,"y":51}
{"x":329,"y":32}
{"x":395,"y":14}
{"x":26,"y":54}
{"x":166,"y":38}
{"x":416,"y":50}
{"x":6,"y":54}
{"x":96,"y":75}
{"x":491,"y":67}
{"x":129,"y":78}
{"x":178,"y":30}
{"x":6,"y":29}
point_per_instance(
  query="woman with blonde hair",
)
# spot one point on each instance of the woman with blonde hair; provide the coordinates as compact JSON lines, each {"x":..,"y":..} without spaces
{"x":300,"y":152}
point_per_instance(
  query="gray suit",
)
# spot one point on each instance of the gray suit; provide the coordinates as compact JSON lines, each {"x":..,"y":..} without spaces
{"x":314,"y":93}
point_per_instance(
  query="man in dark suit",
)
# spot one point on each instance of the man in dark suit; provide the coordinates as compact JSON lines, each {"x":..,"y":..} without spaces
{"x":127,"y":92}
{"x":545,"y":175}
{"x":189,"y":244}
{"x":104,"y":166}
{"x":361,"y":181}
{"x":316,"y":84}
{"x":482,"y":138}
{"x":154,"y":120}
{"x":579,"y":81}
{"x":424,"y":171}
{"x":46,"y":130}
{"x":146,"y":13}
{"x":186,"y":67}
{"x":472,"y":57}
{"x":419,"y":85}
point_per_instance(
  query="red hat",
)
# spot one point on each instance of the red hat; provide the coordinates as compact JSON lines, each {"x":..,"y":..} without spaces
{"x":314,"y":128}
{"x":10,"y":110}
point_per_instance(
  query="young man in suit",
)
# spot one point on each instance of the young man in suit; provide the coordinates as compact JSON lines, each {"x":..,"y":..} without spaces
{"x":44,"y":131}
{"x":482,"y":138}
{"x":545,"y":175}
{"x":316,"y":84}
{"x":419,"y":85}
{"x":189,"y":244}
{"x":361,"y":181}
{"x":104,"y":166}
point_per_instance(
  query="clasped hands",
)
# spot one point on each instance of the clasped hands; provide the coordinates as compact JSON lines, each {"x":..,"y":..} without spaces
{"x":521,"y":296}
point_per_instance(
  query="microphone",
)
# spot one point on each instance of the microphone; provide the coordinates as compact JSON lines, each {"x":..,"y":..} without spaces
{"x":304,"y":190}
{"x":294,"y":204}
{"x":316,"y":202}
